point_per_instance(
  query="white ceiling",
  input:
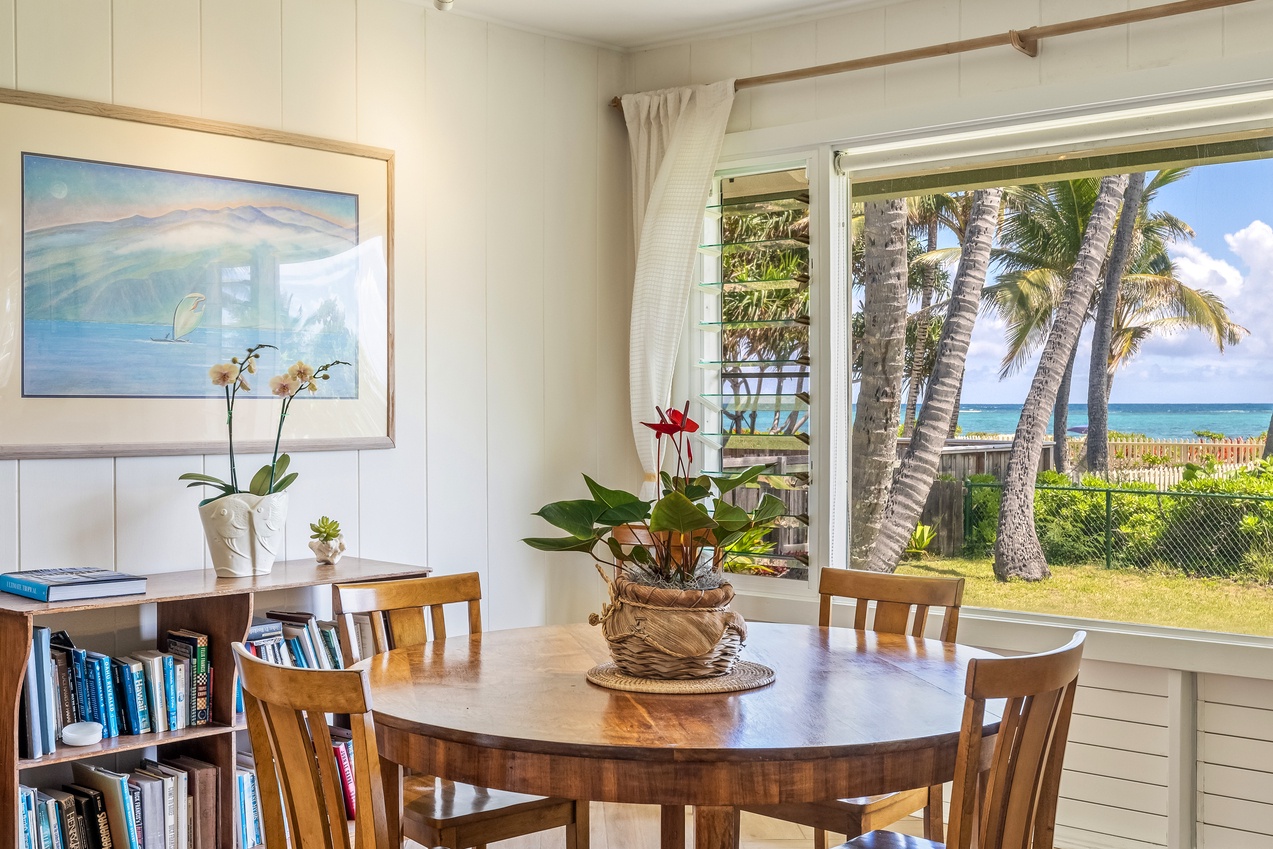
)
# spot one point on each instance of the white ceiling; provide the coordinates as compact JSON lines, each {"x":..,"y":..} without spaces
{"x":628,"y":24}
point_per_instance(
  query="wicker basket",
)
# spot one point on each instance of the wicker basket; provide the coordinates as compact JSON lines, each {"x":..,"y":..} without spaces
{"x":655,"y":632}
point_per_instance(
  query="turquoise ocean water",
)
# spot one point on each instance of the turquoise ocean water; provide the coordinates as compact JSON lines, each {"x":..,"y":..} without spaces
{"x":1158,"y":421}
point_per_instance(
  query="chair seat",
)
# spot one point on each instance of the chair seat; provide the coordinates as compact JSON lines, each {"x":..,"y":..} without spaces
{"x":890,"y":840}
{"x":439,"y":804}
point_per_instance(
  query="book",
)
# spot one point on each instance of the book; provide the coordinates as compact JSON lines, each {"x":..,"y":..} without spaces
{"x":69,"y":821}
{"x":167,"y":820}
{"x":118,"y":801}
{"x":344,"y":763}
{"x":27,"y":830}
{"x":103,"y":681}
{"x":46,"y":820}
{"x":70,"y":584}
{"x":180,"y":800}
{"x":139,"y":823}
{"x":31,"y":743}
{"x":263,"y":629}
{"x":79,"y":674}
{"x":313,"y":641}
{"x":194,"y":647}
{"x":65,"y":678}
{"x":41,"y":647}
{"x":93,"y":805}
{"x":181,"y":689}
{"x":157,"y":668}
{"x":331,"y":642}
{"x":204,"y":782}
{"x":363,"y":637}
{"x":130,"y":694}
{"x":304,"y":651}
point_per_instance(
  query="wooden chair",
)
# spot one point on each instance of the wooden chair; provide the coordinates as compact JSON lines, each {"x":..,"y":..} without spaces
{"x":435,"y":811}
{"x":296,"y":771}
{"x":1012,"y":804}
{"x":902,"y":604}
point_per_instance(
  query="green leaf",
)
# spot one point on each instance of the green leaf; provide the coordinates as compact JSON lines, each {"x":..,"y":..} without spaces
{"x":743,"y":478}
{"x":261,"y":481}
{"x":729,"y":539}
{"x":560,"y":543}
{"x":675,"y":512}
{"x":640,"y":554}
{"x":769,"y":509}
{"x":195,"y":476}
{"x":609,"y":497}
{"x":667,"y":481}
{"x":284,"y":483}
{"x":280,"y":468}
{"x":624,"y":514}
{"x":617,"y":550}
{"x":694,"y":492}
{"x":224,"y":487}
{"x":576,"y":518}
{"x":730,"y":516}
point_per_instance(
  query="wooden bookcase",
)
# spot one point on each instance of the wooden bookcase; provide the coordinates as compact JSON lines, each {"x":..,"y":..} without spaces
{"x":222,"y":608}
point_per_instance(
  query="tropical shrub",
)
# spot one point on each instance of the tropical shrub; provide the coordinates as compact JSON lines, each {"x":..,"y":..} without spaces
{"x":1224,"y":535}
{"x":921,"y":538}
{"x":982,"y":522}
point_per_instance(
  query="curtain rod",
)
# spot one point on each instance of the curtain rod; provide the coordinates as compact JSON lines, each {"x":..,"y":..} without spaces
{"x":1024,"y":40}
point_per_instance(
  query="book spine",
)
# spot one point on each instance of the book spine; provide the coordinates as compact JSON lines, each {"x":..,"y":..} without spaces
{"x":203,"y":705}
{"x":13,"y":582}
{"x":24,"y":819}
{"x":42,"y":823}
{"x":33,"y":738}
{"x":70,"y":825}
{"x":94,"y":681}
{"x":66,"y":684}
{"x":181,"y":683}
{"x":109,"y":708}
{"x":170,"y":689}
{"x":129,"y":721}
{"x":44,"y":682}
{"x":81,"y":684}
{"x":139,"y":698}
{"x":346,"y":777}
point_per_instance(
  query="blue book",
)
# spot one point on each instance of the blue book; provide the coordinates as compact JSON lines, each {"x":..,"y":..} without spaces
{"x":40,"y":646}
{"x":131,"y":699}
{"x":33,"y":737}
{"x":69,"y":584}
{"x":26,"y":808}
{"x":170,"y":689}
{"x":42,"y":821}
{"x":107,"y":709}
{"x":79,"y":678}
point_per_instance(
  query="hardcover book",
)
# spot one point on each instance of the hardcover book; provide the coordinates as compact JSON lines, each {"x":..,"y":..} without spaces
{"x":70,"y":584}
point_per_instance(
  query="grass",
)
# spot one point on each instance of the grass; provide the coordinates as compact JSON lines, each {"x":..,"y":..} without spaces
{"x":1119,"y":595}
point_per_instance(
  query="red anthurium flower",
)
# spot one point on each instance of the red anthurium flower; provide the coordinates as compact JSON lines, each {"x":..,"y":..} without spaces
{"x":682,"y":422}
{"x":662,"y":428}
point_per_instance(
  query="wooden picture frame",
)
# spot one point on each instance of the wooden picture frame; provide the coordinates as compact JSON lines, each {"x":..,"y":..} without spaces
{"x":140,"y":248}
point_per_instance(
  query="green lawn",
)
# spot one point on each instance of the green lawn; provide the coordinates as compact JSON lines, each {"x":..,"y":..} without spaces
{"x":1094,"y":592}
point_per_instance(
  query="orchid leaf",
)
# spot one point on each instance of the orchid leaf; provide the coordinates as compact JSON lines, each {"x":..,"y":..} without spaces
{"x":560,"y":543}
{"x":730,"y":516}
{"x":577,"y":518}
{"x":195,"y":476}
{"x":676,"y":512}
{"x":609,"y":497}
{"x":769,"y":509}
{"x":224,"y":487}
{"x":284,"y":482}
{"x":743,"y":478}
{"x":280,"y":467}
{"x":261,"y":481}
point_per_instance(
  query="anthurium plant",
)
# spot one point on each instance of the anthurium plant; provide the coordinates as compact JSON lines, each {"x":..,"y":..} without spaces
{"x":233,"y":378}
{"x":665,"y":542}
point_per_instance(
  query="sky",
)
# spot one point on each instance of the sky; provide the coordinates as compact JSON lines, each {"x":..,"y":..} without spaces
{"x":1230,"y":207}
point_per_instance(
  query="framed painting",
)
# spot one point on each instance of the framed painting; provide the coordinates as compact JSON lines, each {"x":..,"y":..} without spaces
{"x":139,"y":249}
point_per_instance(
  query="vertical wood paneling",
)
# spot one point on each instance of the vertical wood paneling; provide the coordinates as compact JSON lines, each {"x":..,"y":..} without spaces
{"x":1153,"y":44}
{"x":157,"y":525}
{"x":1247,"y":28}
{"x":327,"y":486}
{"x":150,"y":34}
{"x":516,"y":592}
{"x":839,"y":39}
{"x":242,"y":61}
{"x":9,"y":516}
{"x":456,"y":334}
{"x":8,"y":46}
{"x":1087,"y":55}
{"x":1001,"y":68}
{"x":64,"y":47}
{"x":319,"y":68}
{"x":719,"y":59}
{"x":67,"y":513}
{"x":916,"y":24}
{"x":782,"y":49}
{"x":662,"y":67}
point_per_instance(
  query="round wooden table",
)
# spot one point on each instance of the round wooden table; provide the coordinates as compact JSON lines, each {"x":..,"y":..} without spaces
{"x":851,"y":713}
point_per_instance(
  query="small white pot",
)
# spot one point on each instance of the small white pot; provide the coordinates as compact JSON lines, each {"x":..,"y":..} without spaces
{"x":328,"y":552}
{"x":244,"y":532}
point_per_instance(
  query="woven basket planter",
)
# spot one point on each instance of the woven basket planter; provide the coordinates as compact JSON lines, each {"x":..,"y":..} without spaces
{"x":654,"y":632}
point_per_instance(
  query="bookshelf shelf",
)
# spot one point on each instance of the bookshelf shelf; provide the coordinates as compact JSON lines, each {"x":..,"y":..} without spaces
{"x":222,"y":608}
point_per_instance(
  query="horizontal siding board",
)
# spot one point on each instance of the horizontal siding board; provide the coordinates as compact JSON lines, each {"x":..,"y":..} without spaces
{"x":1118,"y":822}
{"x":1101,"y":789}
{"x":1068,"y":837}
{"x":1239,"y":752}
{"x":1216,"y":780}
{"x":1236,"y":813}
{"x":1126,"y":677}
{"x":1116,"y":763}
{"x":1114,"y":734}
{"x":1218,"y":837}
{"x":1246,"y":722}
{"x":1228,"y":690}
{"x":1115,"y":704}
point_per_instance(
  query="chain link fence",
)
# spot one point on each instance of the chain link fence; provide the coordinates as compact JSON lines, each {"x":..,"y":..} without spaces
{"x":1197,"y":533}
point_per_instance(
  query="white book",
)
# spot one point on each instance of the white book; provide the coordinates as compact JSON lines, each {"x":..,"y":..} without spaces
{"x":181,"y":801}
{"x":153,"y":663}
{"x":363,"y":637}
{"x":182,"y":666}
{"x":170,"y":804}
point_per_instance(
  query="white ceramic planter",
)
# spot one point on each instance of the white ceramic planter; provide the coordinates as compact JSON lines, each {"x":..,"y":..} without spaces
{"x":244,"y":533}
{"x":328,"y":553}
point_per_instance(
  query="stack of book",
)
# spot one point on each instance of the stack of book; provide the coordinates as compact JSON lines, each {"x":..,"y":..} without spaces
{"x":165,"y":804}
{"x":136,"y":694}
{"x":343,"y":752}
{"x":248,"y":826}
{"x":71,"y":583}
{"x":296,"y":639}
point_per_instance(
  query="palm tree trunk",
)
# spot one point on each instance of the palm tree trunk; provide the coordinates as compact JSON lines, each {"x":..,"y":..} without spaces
{"x":919,"y":354}
{"x":919,"y":466}
{"x":883,"y":364}
{"x":1099,"y":379}
{"x":954,"y":419}
{"x":1061,"y":419}
{"x":1017,"y":550}
{"x":1268,"y":440}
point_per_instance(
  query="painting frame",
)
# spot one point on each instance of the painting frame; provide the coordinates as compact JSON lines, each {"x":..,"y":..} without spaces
{"x":60,"y":128}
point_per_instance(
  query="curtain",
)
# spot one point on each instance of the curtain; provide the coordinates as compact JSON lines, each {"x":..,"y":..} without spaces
{"x":675,"y":136}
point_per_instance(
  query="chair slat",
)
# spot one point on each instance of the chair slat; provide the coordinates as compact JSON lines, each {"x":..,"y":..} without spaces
{"x":409,"y":605}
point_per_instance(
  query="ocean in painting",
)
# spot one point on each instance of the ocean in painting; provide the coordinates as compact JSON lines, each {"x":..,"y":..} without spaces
{"x":135,"y":280}
{"x":1157,"y":421}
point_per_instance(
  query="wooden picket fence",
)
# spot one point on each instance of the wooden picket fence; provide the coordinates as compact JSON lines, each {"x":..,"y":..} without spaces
{"x":1156,"y":453}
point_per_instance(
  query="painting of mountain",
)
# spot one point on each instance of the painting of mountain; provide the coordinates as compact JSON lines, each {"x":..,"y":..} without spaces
{"x":160,"y":274}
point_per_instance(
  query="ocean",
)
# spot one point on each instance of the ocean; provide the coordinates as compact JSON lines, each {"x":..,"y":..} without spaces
{"x":1158,"y":421}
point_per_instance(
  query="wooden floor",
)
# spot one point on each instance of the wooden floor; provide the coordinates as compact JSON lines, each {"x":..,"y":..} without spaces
{"x":637,"y":827}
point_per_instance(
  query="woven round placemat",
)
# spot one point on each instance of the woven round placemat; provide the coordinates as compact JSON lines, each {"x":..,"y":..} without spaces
{"x":744,"y":676}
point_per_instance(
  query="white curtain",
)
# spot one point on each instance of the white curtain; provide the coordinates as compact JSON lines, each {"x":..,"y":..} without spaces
{"x":675,"y":136}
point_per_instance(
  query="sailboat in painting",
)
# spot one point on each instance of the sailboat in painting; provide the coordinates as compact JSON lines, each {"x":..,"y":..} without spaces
{"x":185,"y":318}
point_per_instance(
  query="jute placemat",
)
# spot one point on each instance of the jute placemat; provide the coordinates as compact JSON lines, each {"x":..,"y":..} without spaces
{"x":744,"y":676}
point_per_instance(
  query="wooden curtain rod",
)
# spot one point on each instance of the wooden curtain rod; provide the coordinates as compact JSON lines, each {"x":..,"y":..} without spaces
{"x":1024,"y":40}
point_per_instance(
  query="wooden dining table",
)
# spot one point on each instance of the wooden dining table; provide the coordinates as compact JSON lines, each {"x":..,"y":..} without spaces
{"x":850,"y":713}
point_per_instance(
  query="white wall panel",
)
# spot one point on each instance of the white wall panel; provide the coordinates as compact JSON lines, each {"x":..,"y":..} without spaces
{"x":1003,"y":67}
{"x":1115,"y":822}
{"x":64,"y":47}
{"x":67,"y":513}
{"x":1114,"y":792}
{"x":150,"y":34}
{"x":917,"y":24}
{"x":319,"y":73}
{"x":326,"y":485}
{"x":242,"y":61}
{"x":720,"y":59}
{"x":1087,"y":55}
{"x":1114,"y":704}
{"x":1228,"y":838}
{"x":1125,"y":677}
{"x":8,"y":46}
{"x":1116,"y":763}
{"x":839,"y":39}
{"x":1152,"y":44}
{"x":516,"y":592}
{"x":157,"y":525}
{"x":1252,"y":785}
{"x":661,"y":67}
{"x":782,"y":49}
{"x":1247,"y":27}
{"x":9,"y":516}
{"x":1113,"y":734}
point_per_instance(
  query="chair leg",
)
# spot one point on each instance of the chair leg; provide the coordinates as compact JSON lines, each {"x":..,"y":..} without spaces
{"x":449,"y":838}
{"x":934,"y":829}
{"x":578,"y":832}
{"x":819,"y":839}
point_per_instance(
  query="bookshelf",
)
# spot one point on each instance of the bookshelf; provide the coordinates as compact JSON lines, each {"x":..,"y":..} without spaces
{"x":222,"y":608}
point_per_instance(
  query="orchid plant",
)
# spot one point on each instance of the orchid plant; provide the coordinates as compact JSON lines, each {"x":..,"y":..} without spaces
{"x":663,"y":542}
{"x":232,"y":377}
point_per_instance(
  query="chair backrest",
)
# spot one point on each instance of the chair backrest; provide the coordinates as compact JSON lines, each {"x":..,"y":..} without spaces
{"x":297,"y":774}
{"x":896,"y":597}
{"x":1013,"y":805}
{"x":397,"y":608}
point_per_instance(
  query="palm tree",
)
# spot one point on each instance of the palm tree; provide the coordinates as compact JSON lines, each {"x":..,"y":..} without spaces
{"x":919,"y":466}
{"x":884,"y":275}
{"x":1017,"y":550}
{"x":924,"y":213}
